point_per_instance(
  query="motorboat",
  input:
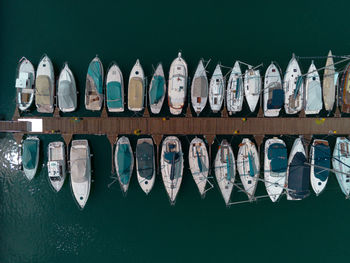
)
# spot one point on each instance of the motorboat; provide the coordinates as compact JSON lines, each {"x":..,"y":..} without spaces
{"x":115,"y":89}
{"x":157,"y":90}
{"x":67,"y":90}
{"x":30,"y":156}
{"x":136,"y":88}
{"x":45,"y":86}
{"x":56,"y":164}
{"x":124,"y":162}
{"x":25,"y":84}
{"x":341,"y":164}
{"x":145,"y":164}
{"x":94,"y":85}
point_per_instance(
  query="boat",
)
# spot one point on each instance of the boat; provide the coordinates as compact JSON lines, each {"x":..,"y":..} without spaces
{"x":235,"y":92}
{"x":94,"y":85}
{"x":145,"y":164}
{"x":198,"y":159}
{"x":275,"y":167}
{"x":248,"y":166}
{"x":252,"y":87}
{"x":124,"y":162}
{"x":157,"y":90}
{"x":115,"y":89}
{"x":293,"y":86}
{"x":273,"y":91}
{"x":341,"y":164}
{"x":45,"y":86}
{"x":329,"y":80}
{"x":216,"y":89}
{"x":344,"y":91}
{"x":30,"y":156}
{"x":313,"y":91}
{"x":320,"y":157}
{"x":225,"y":170}
{"x":136,"y":88}
{"x":172,"y":164}
{"x":177,"y":87}
{"x":67,"y":90}
{"x":80,"y":171}
{"x":25,"y":84}
{"x":298,"y":173}
{"x":56,"y":165}
{"x":199,"y":88}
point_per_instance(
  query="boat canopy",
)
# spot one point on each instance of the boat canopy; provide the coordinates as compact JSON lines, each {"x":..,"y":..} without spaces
{"x":322,"y":156}
{"x":136,"y":94}
{"x":200,"y":87}
{"x":124,"y":158}
{"x":114,"y":94}
{"x":30,"y":148}
{"x":66,"y":94}
{"x":43,"y":90}
{"x":95,"y":72}
{"x":145,"y":160}
{"x":277,"y":100}
{"x":314,"y":96}
{"x":299,"y":177}
{"x":79,"y":165}
{"x":157,"y":89}
{"x":277,"y":154}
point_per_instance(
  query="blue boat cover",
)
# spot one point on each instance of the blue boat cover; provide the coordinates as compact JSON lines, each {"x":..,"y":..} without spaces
{"x":252,"y":167}
{"x":124,"y":158}
{"x":229,"y":167}
{"x":238,"y":90}
{"x":277,"y":153}
{"x":277,"y":100}
{"x":114,"y":94}
{"x":322,"y":156}
{"x":29,"y":154}
{"x":299,"y":177}
{"x":144,"y":155}
{"x":199,"y":160}
{"x":94,"y":71}
{"x":157,"y":89}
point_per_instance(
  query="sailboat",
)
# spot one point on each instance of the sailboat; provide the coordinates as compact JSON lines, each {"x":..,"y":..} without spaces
{"x":199,"y":163}
{"x":341,"y":164}
{"x":235,"y":92}
{"x":329,"y":80}
{"x":157,"y":90}
{"x":172,"y":164}
{"x":115,"y":89}
{"x":225,"y":170}
{"x":320,"y":156}
{"x":344,"y":91}
{"x":177,"y":88}
{"x":216,"y":89}
{"x":145,"y":164}
{"x":248,"y":166}
{"x":275,"y":167}
{"x":273,"y":91}
{"x":25,"y":84}
{"x":30,"y":156}
{"x":252,"y":87}
{"x":124,"y":162}
{"x":94,"y":85}
{"x":313,"y":90}
{"x":136,"y":88}
{"x":56,"y":165}
{"x":293,"y":86}
{"x":67,"y":90}
{"x":199,"y":88}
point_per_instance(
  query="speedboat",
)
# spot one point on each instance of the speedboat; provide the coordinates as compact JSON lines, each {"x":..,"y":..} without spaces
{"x":216,"y":89}
{"x":94,"y":85}
{"x":124,"y":162}
{"x":341,"y":164}
{"x":145,"y":164}
{"x":199,"y":89}
{"x":329,"y":80}
{"x":273,"y":92}
{"x":225,"y":170}
{"x":44,"y":86}
{"x":235,"y":92}
{"x":136,"y":88}
{"x":298,"y":173}
{"x":115,"y":89}
{"x":320,"y":157}
{"x":172,"y":164}
{"x":177,"y":88}
{"x":248,"y":166}
{"x":313,"y":91}
{"x":293,"y":86}
{"x":56,"y":164}
{"x":252,"y":87}
{"x":67,"y":90}
{"x":344,"y":91}
{"x":25,"y":84}
{"x":199,"y":163}
{"x":30,"y":156}
{"x":157,"y":90}
{"x":275,"y":167}
{"x":80,"y":171}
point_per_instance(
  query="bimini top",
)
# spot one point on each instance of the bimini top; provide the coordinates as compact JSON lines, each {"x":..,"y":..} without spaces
{"x":277,"y":100}
{"x":299,"y":177}
{"x":277,"y":154}
{"x":66,"y":94}
{"x":30,"y":148}
{"x":114,"y":94}
{"x":124,"y":158}
{"x":322,"y":156}
{"x":157,"y":89}
{"x":94,"y":71}
{"x":144,"y":155}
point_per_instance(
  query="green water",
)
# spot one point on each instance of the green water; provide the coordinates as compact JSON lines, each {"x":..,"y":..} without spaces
{"x":38,"y":225}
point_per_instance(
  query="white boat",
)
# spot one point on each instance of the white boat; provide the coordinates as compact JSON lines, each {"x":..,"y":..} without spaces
{"x":199,"y":88}
{"x":216,"y":89}
{"x":25,"y":84}
{"x":157,"y":90}
{"x":248,"y":166}
{"x":80,"y":171}
{"x":341,"y":164}
{"x":275,"y":167}
{"x":67,"y":90}
{"x":56,"y":165}
{"x":225,"y":170}
{"x":320,"y":157}
{"x":115,"y":89}
{"x":235,"y":92}
{"x":177,"y":87}
{"x":136,"y":88}
{"x":273,"y":92}
{"x":45,"y":86}
{"x":124,"y":162}
{"x":329,"y":80}
{"x":313,"y":91}
{"x":293,"y":86}
{"x":172,"y":163}
{"x":94,"y":85}
{"x":198,"y":159}
{"x":252,"y":87}
{"x":145,"y":164}
{"x":30,"y":156}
